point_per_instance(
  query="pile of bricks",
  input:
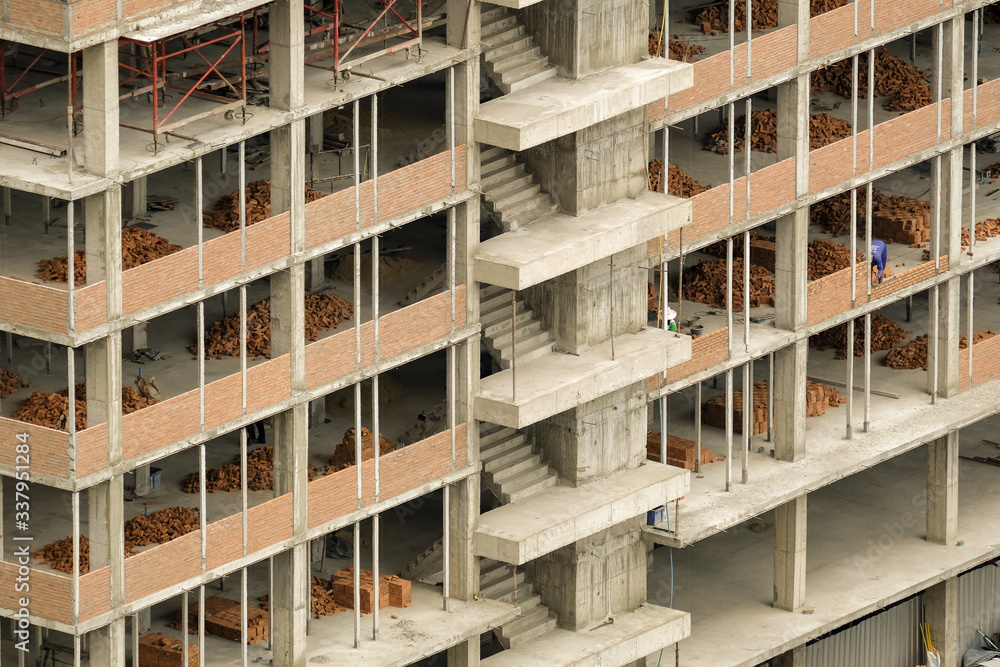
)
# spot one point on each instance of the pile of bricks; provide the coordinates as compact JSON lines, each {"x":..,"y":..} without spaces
{"x":323,"y":312}
{"x":913,"y":355}
{"x":139,"y":246}
{"x":161,"y":526}
{"x":893,"y":76}
{"x":682,"y":51}
{"x":156,"y":650}
{"x":819,"y":397}
{"x":59,"y":554}
{"x":680,"y":451}
{"x":823,"y":129}
{"x":260,"y":474}
{"x":834,"y":213}
{"x":718,"y":249}
{"x":222,"y":619}
{"x":50,"y":410}
{"x":345,"y":456}
{"x":679,"y":184}
{"x":886,"y":335}
{"x":392,"y":590}
{"x":984,"y":230}
{"x":826,"y":257}
{"x":707,"y":284}
{"x":715,"y":18}
{"x":902,"y":220}
{"x":10,"y":382}
{"x":226,"y":214}
{"x":993,"y":172}
{"x":320,"y":597}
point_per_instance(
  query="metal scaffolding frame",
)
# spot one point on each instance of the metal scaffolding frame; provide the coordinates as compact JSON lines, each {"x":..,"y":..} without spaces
{"x":11,"y":92}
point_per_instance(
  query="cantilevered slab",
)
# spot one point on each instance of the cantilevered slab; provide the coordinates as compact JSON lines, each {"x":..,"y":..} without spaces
{"x":559,"y":243}
{"x":560,"y":515}
{"x":558,"y":106}
{"x":556,"y":382}
{"x":632,"y":636}
{"x":513,"y":4}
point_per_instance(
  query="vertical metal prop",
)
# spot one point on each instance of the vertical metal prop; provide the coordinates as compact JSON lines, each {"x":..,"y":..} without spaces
{"x":611,"y":300}
{"x":868,"y":369}
{"x":513,"y":345}
{"x":446,"y":546}
{"x":747,"y":422}
{"x":770,"y":397}
{"x":969,"y":322}
{"x":850,"y":378}
{"x":729,"y":293}
{"x":746,"y":288}
{"x":729,"y":429}
{"x":697,"y":427}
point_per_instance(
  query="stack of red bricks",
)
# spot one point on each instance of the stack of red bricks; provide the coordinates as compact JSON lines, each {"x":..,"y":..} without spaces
{"x":345,"y":456}
{"x":818,"y":398}
{"x":913,"y":355}
{"x":10,"y":382}
{"x":885,"y":335}
{"x":707,"y":284}
{"x":680,"y":451}
{"x":903,"y":220}
{"x":679,"y":184}
{"x":156,"y":650}
{"x":222,"y":619}
{"x":392,"y":590}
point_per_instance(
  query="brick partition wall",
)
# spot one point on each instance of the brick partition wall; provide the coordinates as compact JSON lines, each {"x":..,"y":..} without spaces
{"x":37,"y":306}
{"x":90,"y":306}
{"x":49,"y":448}
{"x":987,"y":106}
{"x":773,"y":53}
{"x":50,"y":593}
{"x":92,"y":450}
{"x":832,"y":164}
{"x":267,"y":383}
{"x":834,"y":30}
{"x":712,"y":79}
{"x":830,"y":295}
{"x":171,"y":420}
{"x":221,"y":258}
{"x":707,"y":350}
{"x":267,"y":241}
{"x":269,"y":523}
{"x":330,"y":357}
{"x":225,"y":541}
{"x":908,"y":134}
{"x":985,"y":363}
{"x":162,"y":566}
{"x":771,"y":187}
{"x":161,"y":280}
{"x":224,"y":400}
{"x":95,"y":593}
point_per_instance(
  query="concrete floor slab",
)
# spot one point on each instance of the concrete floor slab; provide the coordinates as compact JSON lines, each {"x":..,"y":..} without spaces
{"x":630,"y":636}
{"x":559,"y":243}
{"x":558,"y":106}
{"x":560,"y":515}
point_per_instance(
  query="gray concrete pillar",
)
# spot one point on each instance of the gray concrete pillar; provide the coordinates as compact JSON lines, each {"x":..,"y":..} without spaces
{"x":790,"y":554}
{"x":941,"y":613}
{"x":142,"y":480}
{"x":790,"y":401}
{"x":944,"y":354}
{"x":794,"y":658}
{"x":291,"y":453}
{"x":792,"y":238}
{"x":144,"y":620}
{"x":107,"y":644}
{"x":462,"y":518}
{"x":288,"y":320}
{"x":465,"y":654}
{"x":100,"y":108}
{"x":287,"y":44}
{"x":942,"y":489}
{"x":135,"y":198}
{"x":139,"y":338}
{"x":290,"y":606}
{"x":796,"y":12}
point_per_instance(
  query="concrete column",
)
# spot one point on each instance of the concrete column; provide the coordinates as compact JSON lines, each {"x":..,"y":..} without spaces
{"x":941,"y":613}
{"x":287,"y":41}
{"x":135,"y":198}
{"x":942,"y":489}
{"x":288,"y":320}
{"x":100,"y":108}
{"x":464,"y":26}
{"x":103,"y":243}
{"x":952,"y":68}
{"x":945,"y":354}
{"x":107,"y":644}
{"x":463,"y":514}
{"x":288,"y":183}
{"x":465,"y":654}
{"x":796,"y":12}
{"x":790,"y":554}
{"x":790,"y":401}
{"x":139,"y":338}
{"x":142,"y":481}
{"x":290,"y":605}
{"x":792,"y":238}
{"x":794,"y":658}
{"x":291,"y":452}
{"x":104,"y":389}
{"x":144,"y":620}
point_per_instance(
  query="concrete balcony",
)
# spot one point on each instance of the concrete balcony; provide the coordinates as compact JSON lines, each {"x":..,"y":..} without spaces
{"x":559,"y":243}
{"x":556,"y":382}
{"x":524,"y":530}
{"x":632,"y":636}
{"x":560,"y":106}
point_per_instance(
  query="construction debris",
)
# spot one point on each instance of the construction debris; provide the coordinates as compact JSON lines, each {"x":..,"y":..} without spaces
{"x":823,"y":129}
{"x":652,"y":299}
{"x":345,"y":456}
{"x":679,"y":183}
{"x":893,"y":76}
{"x":59,"y":555}
{"x":321,"y":599}
{"x":715,"y":18}
{"x":992,"y":171}
{"x":226,"y":214}
{"x":260,"y":474}
{"x":139,"y":246}
{"x":826,"y":257}
{"x":156,"y":650}
{"x":10,"y":382}
{"x":706,"y":283}
{"x":161,"y":526}
{"x":222,"y":619}
{"x":147,"y":387}
{"x":886,"y":335}
{"x":51,"y":410}
{"x":913,"y":355}
{"x":323,"y":312}
{"x":680,"y":451}
{"x":819,"y":397}
{"x":682,"y":51}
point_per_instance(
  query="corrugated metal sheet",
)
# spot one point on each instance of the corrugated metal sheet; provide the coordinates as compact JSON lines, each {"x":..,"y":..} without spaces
{"x":978,"y":605}
{"x":888,"y":639}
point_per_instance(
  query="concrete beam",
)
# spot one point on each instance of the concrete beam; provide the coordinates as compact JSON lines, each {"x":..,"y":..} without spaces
{"x":560,"y":243}
{"x":556,"y":382}
{"x":560,"y":515}
{"x":942,"y":489}
{"x":630,"y":637}
{"x":790,"y":554}
{"x":558,"y":106}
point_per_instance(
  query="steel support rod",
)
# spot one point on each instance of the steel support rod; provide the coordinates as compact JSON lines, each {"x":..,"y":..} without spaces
{"x":850,"y":378}
{"x":729,"y":429}
{"x":697,"y":427}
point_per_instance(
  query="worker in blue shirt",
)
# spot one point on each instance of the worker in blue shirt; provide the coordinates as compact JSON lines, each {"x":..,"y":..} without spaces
{"x":880,"y":254}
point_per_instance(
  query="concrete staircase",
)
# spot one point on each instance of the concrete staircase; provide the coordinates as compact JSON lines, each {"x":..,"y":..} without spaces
{"x":513,"y":59}
{"x":497,"y":582}
{"x":531,"y":340}
{"x":512,"y":469}
{"x":510,"y":193}
{"x":428,"y":567}
{"x":432,"y":283}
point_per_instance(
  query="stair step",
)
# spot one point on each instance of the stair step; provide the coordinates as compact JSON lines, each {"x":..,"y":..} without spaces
{"x":504,"y":36}
{"x":501,"y":450}
{"x":498,"y":24}
{"x":547,"y":72}
{"x":492,"y":574}
{"x":503,"y":586}
{"x":526,"y":462}
{"x":498,"y":300}
{"x":529,"y":487}
{"x":524,"y":332}
{"x":516,"y":197}
{"x":489,"y":290}
{"x":499,"y":461}
{"x":499,"y":315}
{"x":498,"y":51}
{"x":491,"y":14}
{"x":526,"y":628}
{"x":501,"y":323}
{"x":539,"y":200}
{"x":524,"y":356}
{"x":487,"y":429}
{"x":508,"y":172}
{"x":520,"y":219}
{"x":530,"y":53}
{"x":525,"y":69}
{"x":502,"y":188}
{"x":526,"y":344}
{"x":487,"y":155}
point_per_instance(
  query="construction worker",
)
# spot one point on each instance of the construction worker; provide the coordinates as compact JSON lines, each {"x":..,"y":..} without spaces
{"x":671,"y":318}
{"x":880,"y":255}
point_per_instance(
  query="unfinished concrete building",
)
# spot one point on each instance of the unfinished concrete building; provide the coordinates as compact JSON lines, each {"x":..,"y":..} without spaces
{"x":527,"y":333}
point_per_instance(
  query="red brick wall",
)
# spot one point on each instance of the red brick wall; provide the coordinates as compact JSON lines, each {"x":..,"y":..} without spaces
{"x":987,"y":106}
{"x":831,"y":295}
{"x":267,"y":241}
{"x":771,"y":187}
{"x":706,"y":351}
{"x":709,"y":214}
{"x":221,"y":257}
{"x":95,"y":593}
{"x":91,"y":306}
{"x":333,"y":495}
{"x":773,"y":53}
{"x":161,"y":280}
{"x":333,"y":216}
{"x":832,"y":164}
{"x":224,"y":400}
{"x":49,"y":595}
{"x":907,"y":134}
{"x":985,"y":363}
{"x":92,"y":450}
{"x":158,"y":425}
{"x":655,"y":110}
{"x":33,"y":305}
{"x":906,"y":278}
{"x":49,"y":453}
{"x":267,"y":384}
{"x":162,"y":566}
{"x":330,"y":358}
{"x":225,"y":541}
{"x":44,"y":18}
{"x":711,"y":79}
{"x":892,"y":15}
{"x":834,"y":30}
{"x":269,"y":523}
